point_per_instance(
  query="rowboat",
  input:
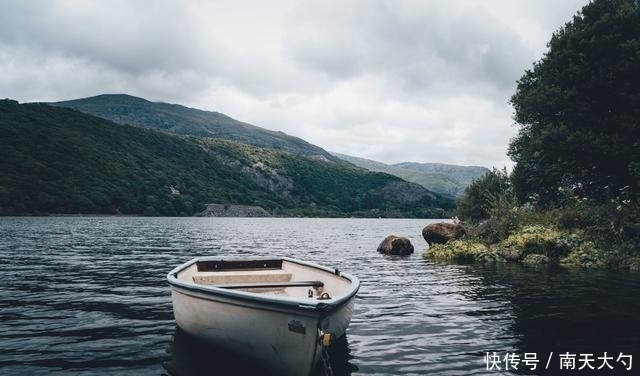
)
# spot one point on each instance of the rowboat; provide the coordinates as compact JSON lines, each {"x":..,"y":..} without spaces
{"x":280,"y":312}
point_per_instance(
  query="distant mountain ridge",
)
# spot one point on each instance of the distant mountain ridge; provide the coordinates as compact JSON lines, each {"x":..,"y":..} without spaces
{"x":443,"y":179}
{"x":178,"y":119}
{"x":463,"y":174}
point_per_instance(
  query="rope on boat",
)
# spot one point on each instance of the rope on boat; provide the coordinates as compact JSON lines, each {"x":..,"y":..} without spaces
{"x":325,"y":340}
{"x":326,"y":363}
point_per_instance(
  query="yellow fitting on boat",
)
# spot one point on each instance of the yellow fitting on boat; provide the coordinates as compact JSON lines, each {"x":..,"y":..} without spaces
{"x":325,"y":339}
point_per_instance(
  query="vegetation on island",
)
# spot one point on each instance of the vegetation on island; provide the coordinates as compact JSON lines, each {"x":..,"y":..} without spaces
{"x":56,"y":160}
{"x":573,"y":195}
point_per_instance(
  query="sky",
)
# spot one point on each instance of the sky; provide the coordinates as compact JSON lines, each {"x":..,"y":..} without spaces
{"x":392,"y":81}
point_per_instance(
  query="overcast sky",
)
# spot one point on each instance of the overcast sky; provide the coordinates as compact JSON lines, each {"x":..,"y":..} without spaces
{"x":393,"y":81}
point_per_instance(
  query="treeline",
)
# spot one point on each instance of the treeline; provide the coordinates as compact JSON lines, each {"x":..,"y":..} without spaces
{"x":577,"y":153}
{"x":60,"y":161}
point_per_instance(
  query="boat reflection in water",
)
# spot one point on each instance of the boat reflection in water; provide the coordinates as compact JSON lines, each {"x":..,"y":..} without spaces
{"x":191,"y":356}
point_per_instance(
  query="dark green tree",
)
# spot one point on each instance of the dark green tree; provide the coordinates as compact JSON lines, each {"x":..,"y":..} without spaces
{"x":476,"y":201}
{"x":579,"y":109}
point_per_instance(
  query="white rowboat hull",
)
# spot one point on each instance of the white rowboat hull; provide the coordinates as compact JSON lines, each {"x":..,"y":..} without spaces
{"x":281,"y":331}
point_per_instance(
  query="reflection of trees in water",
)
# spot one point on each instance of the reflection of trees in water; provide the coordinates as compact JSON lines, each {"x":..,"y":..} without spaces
{"x":190,"y":356}
{"x":561,"y":310}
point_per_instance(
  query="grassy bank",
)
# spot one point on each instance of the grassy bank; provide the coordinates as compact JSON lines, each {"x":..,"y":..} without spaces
{"x":580,"y":234}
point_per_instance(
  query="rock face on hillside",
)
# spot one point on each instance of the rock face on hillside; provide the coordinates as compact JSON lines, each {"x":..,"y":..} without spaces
{"x":259,"y":173}
{"x":395,"y":245}
{"x":220,"y":210}
{"x":441,"y":232}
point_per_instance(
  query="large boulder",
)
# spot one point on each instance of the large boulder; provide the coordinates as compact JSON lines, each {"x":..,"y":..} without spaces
{"x":442,"y":232}
{"x":395,"y":245}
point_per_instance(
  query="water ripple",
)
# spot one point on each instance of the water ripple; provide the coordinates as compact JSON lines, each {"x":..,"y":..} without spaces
{"x":85,"y":296}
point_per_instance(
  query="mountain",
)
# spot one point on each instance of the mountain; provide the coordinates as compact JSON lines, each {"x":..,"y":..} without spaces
{"x":174,"y":118}
{"x":464,"y":174}
{"x":443,"y":179}
{"x":59,"y":160}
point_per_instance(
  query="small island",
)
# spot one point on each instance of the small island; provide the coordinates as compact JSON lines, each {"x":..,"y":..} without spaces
{"x":573,"y":197}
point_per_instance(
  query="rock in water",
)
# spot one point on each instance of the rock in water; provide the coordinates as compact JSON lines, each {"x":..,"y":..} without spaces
{"x":442,"y":232}
{"x":395,"y":245}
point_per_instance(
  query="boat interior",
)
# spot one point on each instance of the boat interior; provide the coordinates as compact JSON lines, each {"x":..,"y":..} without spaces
{"x":273,"y":277}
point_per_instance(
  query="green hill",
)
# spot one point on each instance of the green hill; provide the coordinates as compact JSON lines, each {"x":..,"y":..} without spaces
{"x":58,"y":160}
{"x":174,"y":118}
{"x":443,"y":179}
{"x":464,"y":174}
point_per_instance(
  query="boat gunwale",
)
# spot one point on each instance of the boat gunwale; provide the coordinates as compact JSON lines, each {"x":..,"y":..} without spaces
{"x":297,"y":303}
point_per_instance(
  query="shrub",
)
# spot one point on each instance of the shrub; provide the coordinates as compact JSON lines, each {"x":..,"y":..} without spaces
{"x":586,"y":256}
{"x":535,"y":259}
{"x":475,"y":203}
{"x":534,"y":239}
{"x":456,"y":250}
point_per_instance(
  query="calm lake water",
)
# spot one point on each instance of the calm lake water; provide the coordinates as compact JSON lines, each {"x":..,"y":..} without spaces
{"x":88,"y":296}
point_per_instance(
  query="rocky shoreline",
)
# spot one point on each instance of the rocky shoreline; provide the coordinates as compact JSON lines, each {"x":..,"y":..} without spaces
{"x":529,"y":245}
{"x":222,"y":210}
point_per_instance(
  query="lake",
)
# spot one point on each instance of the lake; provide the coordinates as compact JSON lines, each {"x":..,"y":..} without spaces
{"x":88,"y":296}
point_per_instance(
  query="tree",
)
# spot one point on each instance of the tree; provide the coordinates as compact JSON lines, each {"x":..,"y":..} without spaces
{"x":578,"y":108}
{"x":477,"y":198}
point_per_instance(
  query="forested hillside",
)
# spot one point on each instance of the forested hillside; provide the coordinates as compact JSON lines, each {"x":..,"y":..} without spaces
{"x":58,"y":160}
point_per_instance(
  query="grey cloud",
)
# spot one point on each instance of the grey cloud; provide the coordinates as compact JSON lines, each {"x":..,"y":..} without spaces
{"x":419,"y":45}
{"x":138,"y":43}
{"x":126,"y":36}
{"x":30,"y":76}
